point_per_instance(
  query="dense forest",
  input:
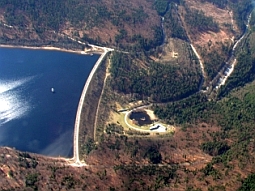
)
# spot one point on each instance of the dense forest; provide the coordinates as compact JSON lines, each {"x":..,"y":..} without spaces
{"x":186,"y":111}
{"x":248,"y":183}
{"x":160,"y":82}
{"x":51,"y":15}
{"x":213,"y":62}
{"x":198,"y":22}
{"x":252,"y":22}
{"x":241,"y":12}
{"x":161,"y":6}
{"x":88,"y":15}
{"x":173,"y":25}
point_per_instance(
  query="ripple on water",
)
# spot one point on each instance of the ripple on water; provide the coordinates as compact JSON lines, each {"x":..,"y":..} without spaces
{"x":12,"y":105}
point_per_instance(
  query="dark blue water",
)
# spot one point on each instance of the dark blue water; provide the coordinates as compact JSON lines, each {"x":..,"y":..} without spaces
{"x":32,"y":118}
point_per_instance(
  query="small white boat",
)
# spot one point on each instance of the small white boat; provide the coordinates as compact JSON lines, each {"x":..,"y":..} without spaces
{"x":52,"y":90}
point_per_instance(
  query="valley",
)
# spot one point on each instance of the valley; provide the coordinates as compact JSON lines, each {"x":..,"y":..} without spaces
{"x":187,"y":64}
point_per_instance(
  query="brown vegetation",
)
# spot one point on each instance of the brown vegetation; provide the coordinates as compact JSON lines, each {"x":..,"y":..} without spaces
{"x":133,"y":161}
{"x":122,"y":163}
{"x":89,"y":109}
{"x":91,"y":27}
{"x":221,"y":16}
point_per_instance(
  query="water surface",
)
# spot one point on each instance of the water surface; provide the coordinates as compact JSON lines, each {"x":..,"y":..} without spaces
{"x":141,"y":117}
{"x":32,"y":118}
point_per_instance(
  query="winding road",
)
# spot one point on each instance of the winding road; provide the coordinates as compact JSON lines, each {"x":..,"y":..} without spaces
{"x":222,"y":76}
{"x":105,"y":50}
{"x":132,"y":127}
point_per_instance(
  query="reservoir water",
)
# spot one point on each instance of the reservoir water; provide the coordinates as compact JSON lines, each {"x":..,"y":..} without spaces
{"x":141,"y":117}
{"x":34,"y":118}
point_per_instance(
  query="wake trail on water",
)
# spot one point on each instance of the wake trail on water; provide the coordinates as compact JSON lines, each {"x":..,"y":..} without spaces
{"x":12,"y":105}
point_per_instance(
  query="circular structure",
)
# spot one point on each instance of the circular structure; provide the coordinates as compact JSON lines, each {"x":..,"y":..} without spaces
{"x":140,"y":117}
{"x":144,"y":121}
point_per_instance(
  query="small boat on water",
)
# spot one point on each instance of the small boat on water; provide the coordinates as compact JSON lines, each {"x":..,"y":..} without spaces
{"x":52,"y":90}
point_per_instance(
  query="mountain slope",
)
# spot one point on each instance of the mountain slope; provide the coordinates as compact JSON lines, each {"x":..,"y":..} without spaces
{"x":212,"y":147}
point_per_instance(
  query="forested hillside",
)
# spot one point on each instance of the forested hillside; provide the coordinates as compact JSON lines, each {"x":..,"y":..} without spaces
{"x":199,"y":22}
{"x":245,"y":69}
{"x":233,"y":147}
{"x":100,"y":22}
{"x":212,"y":36}
{"x":159,"y":82}
{"x":129,"y":25}
{"x":214,"y":26}
{"x":167,"y":54}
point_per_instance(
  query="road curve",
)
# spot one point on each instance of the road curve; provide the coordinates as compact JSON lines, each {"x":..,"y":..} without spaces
{"x":132,"y":127}
{"x":78,"y":114}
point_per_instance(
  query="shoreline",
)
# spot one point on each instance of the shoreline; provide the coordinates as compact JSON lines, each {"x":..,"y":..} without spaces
{"x":79,"y":109}
{"x":52,"y":48}
{"x":76,"y":155}
{"x":75,"y":158}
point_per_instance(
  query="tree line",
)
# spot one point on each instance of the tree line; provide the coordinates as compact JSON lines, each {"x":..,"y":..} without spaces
{"x":241,"y":10}
{"x":159,"y":82}
{"x":53,"y":15}
{"x":198,"y":22}
{"x":172,"y":23}
{"x":244,"y":71}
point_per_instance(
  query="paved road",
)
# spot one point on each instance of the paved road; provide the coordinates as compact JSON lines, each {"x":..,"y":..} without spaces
{"x":132,"y":127}
{"x":78,"y":114}
{"x":76,"y":157}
